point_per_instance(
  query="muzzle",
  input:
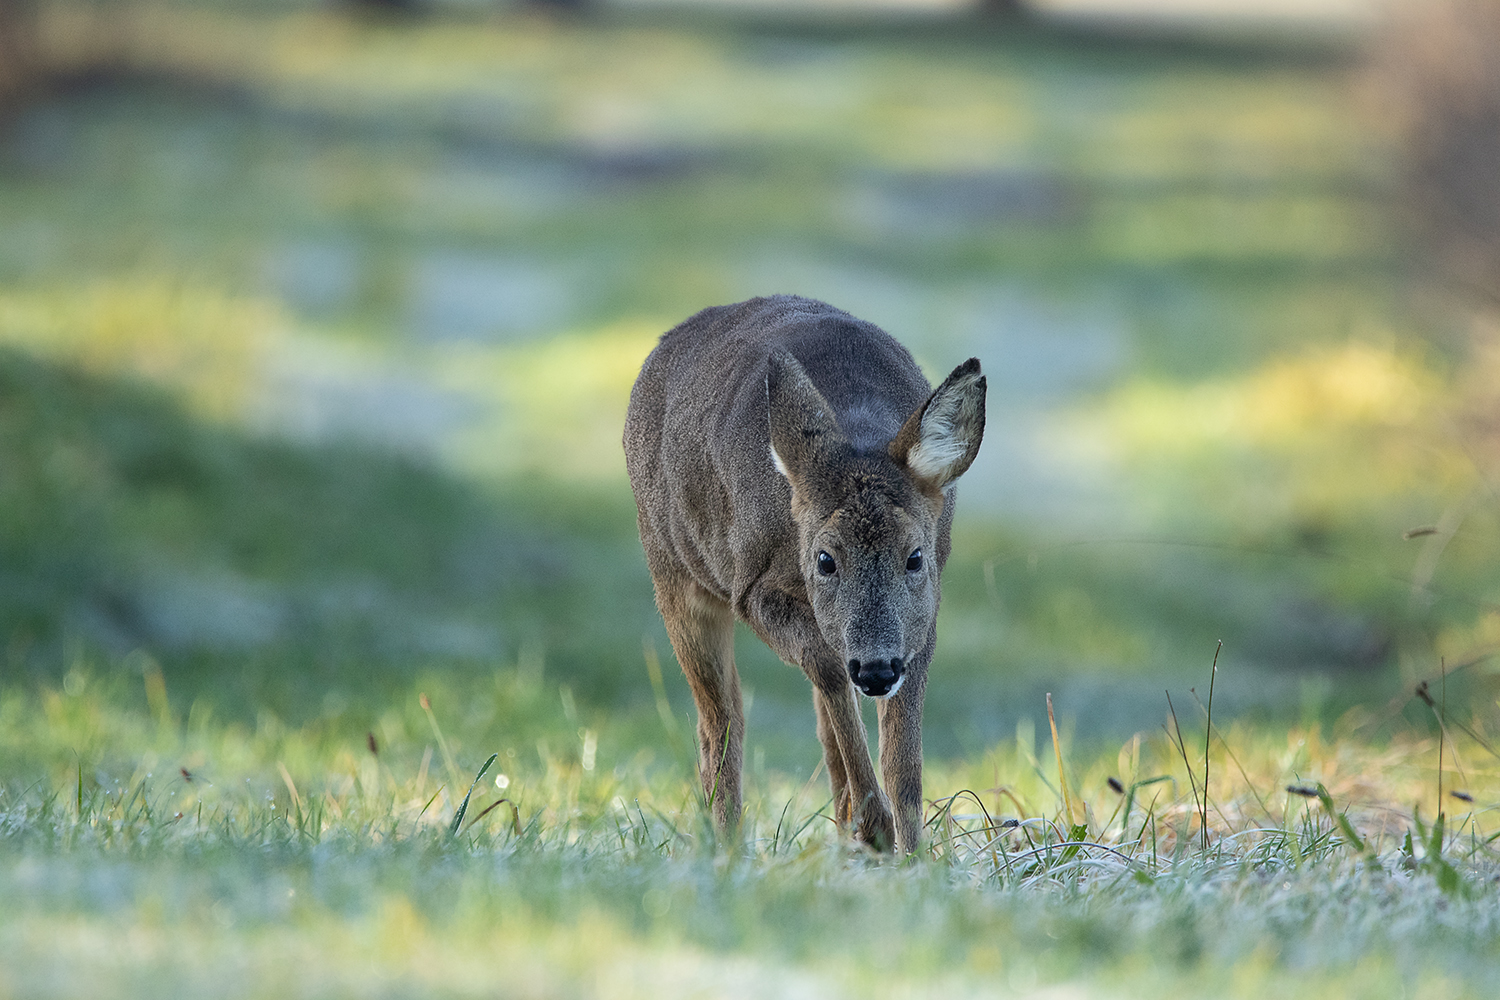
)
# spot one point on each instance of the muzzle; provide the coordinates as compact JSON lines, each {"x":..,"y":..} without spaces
{"x":877,"y":678}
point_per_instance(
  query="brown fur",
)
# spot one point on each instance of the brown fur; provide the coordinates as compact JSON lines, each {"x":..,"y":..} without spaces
{"x":867,"y":454}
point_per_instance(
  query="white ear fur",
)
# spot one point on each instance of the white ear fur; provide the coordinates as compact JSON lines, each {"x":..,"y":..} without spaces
{"x":952,"y":425}
{"x":938,"y":450}
{"x":777,"y":462}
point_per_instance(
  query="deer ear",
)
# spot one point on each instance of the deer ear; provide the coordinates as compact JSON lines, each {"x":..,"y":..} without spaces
{"x":938,"y":442}
{"x":803,"y":429}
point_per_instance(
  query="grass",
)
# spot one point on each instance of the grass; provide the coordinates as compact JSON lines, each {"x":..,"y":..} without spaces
{"x":305,"y":862}
{"x":315,"y":341}
{"x":133,"y":526}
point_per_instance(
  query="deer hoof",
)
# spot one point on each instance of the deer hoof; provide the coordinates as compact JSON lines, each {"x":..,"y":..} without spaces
{"x":876,"y":829}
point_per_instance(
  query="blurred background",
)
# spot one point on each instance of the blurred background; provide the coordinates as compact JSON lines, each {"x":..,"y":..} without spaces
{"x":318,"y":321}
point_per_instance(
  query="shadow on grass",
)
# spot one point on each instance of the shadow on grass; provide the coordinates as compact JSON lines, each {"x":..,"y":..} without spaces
{"x":270,"y":575}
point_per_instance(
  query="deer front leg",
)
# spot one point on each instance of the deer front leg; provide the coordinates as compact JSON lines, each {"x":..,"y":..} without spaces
{"x":784,"y":622}
{"x":901,"y":755}
{"x":868,"y":811}
{"x":833,"y":760}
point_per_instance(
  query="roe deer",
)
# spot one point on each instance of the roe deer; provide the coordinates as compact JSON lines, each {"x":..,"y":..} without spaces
{"x":793,"y":468}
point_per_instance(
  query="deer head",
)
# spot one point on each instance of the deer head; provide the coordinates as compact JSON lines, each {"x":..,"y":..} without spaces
{"x":867,"y":519}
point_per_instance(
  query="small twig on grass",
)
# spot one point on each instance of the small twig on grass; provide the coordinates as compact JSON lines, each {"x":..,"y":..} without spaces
{"x":1239,"y":767}
{"x":1182,"y":749}
{"x":1440,"y":712}
{"x":437,"y":731}
{"x":1442,"y":731}
{"x":1207,"y":737}
{"x":515,"y":814}
{"x":1062,"y":775}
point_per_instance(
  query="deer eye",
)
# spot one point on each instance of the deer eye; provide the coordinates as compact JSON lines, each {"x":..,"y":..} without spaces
{"x":826,"y":565}
{"x":914,"y":561}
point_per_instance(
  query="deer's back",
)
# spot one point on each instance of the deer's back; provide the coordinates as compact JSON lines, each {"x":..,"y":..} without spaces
{"x":697,"y":444}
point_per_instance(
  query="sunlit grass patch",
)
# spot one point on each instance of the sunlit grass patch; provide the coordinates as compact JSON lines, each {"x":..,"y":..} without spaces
{"x":210,"y":347}
{"x":559,"y":404}
{"x":1323,"y":436}
{"x":1291,"y":403}
{"x":1358,"y":463}
{"x":552,"y":407}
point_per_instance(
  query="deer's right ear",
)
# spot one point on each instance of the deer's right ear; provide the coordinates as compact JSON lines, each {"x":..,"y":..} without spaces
{"x":803,"y":429}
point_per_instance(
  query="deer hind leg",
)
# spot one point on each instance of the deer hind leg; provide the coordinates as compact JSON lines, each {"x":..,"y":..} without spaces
{"x":701,"y":628}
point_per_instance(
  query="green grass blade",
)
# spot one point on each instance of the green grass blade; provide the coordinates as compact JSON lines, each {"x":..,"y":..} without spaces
{"x":463,"y":807}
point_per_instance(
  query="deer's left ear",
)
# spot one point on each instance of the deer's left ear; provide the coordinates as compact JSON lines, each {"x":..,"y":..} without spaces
{"x":802,"y":428}
{"x":938,"y":442}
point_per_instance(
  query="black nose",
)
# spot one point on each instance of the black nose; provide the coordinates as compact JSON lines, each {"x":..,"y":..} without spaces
{"x":876,"y":677}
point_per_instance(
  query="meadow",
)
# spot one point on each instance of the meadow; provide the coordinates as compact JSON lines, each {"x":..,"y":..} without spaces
{"x":316,"y":333}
